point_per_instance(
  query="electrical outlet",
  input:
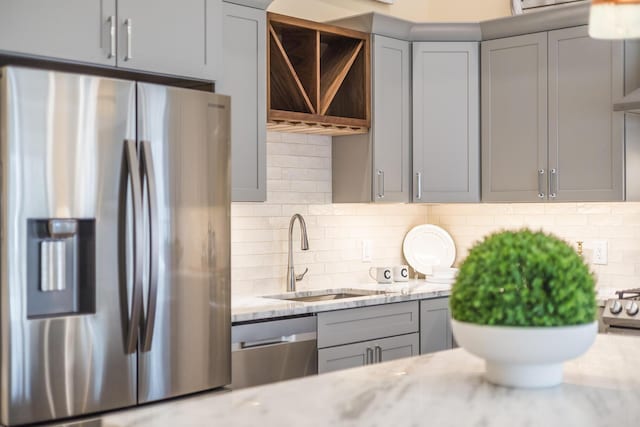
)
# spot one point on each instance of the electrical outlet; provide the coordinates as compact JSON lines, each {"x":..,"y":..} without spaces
{"x":367,"y":250}
{"x":600,"y":253}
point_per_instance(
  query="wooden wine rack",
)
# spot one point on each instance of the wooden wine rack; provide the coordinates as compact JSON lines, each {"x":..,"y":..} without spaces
{"x":319,"y":77}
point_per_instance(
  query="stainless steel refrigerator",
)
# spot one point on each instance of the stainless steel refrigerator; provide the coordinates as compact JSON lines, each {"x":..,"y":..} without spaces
{"x":115,"y":247}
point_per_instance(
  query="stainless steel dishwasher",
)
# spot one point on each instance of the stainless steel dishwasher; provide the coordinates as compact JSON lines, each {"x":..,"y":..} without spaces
{"x":275,"y":350}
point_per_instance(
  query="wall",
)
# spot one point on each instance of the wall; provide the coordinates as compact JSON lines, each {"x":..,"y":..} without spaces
{"x":413,"y":10}
{"x":618,"y":223}
{"x":299,"y":181}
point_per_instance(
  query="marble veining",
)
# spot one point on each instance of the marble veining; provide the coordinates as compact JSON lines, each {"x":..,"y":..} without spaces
{"x":244,"y":309}
{"x":601,"y":388}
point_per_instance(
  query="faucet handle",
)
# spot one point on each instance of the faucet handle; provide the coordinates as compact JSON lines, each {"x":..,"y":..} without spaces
{"x":301,"y":276}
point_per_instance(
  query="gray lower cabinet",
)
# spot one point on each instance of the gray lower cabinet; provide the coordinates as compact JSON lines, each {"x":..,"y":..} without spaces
{"x":244,"y":79}
{"x":366,"y":353}
{"x":446,"y":122}
{"x":514,"y":118}
{"x":366,"y":335}
{"x":163,"y":36}
{"x":367,"y":323}
{"x":548,"y":129}
{"x":74,"y":30}
{"x":435,"y":326}
{"x":375,"y":166}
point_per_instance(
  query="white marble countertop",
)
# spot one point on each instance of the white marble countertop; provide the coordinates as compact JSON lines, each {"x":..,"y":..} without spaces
{"x":245,"y":309}
{"x":601,"y":388}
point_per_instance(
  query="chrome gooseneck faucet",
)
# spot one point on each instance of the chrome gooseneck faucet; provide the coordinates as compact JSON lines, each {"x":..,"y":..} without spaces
{"x":292,"y":278}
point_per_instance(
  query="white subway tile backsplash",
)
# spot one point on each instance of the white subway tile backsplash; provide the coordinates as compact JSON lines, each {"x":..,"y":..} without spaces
{"x":618,"y":223}
{"x":299,"y":181}
{"x":600,"y":219}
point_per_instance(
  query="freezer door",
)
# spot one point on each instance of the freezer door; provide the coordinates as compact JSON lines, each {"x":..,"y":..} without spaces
{"x":188,"y":135}
{"x":62,"y":138}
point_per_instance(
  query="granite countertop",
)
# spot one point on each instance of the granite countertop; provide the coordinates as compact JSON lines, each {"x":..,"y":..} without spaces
{"x":601,"y":388}
{"x":245,"y":309}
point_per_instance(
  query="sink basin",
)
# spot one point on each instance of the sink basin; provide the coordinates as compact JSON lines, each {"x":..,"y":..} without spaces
{"x":325,"y":295}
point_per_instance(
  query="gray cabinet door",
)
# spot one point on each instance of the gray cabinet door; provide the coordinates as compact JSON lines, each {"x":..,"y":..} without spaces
{"x":632,"y":122}
{"x":435,"y":326}
{"x":367,"y":353}
{"x":244,"y":79}
{"x":514,"y":118}
{"x":446,"y":129}
{"x":167,"y":37}
{"x":396,"y":347}
{"x":375,"y":166}
{"x":586,"y":138}
{"x":76,"y":30}
{"x":391,"y":73}
{"x":344,"y":357}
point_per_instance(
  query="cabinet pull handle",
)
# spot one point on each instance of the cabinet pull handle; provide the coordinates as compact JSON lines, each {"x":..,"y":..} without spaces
{"x":378,"y":354}
{"x":541,"y":184}
{"x":369,"y":356}
{"x":112,"y":36}
{"x":419,"y":179}
{"x":129,"y":24}
{"x":380,"y":184}
{"x":553,"y":184}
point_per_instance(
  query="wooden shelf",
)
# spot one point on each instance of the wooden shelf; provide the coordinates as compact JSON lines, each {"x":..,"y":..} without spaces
{"x":287,"y":91}
{"x":318,"y":77}
{"x":336,"y":62}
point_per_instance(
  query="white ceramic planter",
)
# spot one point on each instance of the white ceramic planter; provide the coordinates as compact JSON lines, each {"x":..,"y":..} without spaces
{"x":529,"y":357}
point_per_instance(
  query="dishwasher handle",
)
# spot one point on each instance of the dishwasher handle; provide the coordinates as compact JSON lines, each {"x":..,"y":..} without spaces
{"x":308,"y":336}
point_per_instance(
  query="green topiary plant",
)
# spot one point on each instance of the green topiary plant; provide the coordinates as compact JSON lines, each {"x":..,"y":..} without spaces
{"x":524,"y":278}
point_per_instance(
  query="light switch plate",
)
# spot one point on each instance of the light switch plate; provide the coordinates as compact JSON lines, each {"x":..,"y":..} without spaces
{"x":367,"y":249}
{"x":600,"y":252}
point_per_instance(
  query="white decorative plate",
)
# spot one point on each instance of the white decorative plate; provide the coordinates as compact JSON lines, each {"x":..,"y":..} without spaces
{"x":427,"y":246}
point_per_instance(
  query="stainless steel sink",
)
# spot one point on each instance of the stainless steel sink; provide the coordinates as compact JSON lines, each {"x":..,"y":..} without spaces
{"x":325,"y":295}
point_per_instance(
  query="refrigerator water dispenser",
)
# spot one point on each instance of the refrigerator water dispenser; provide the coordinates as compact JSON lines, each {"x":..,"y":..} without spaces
{"x":60,"y":267}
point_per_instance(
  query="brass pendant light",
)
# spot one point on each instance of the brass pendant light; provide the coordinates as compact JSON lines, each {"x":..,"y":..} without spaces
{"x":614,"y":19}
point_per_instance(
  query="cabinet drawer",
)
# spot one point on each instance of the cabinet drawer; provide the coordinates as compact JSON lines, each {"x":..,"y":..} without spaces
{"x":367,"y":323}
{"x":354,"y":355}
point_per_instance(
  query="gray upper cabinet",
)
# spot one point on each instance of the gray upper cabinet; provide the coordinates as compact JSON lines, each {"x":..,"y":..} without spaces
{"x":159,"y":36}
{"x":75,"y":30}
{"x":244,"y":79}
{"x":390,"y":119}
{"x":632,"y":122}
{"x":548,"y":129}
{"x":375,"y":166}
{"x":514,"y":118}
{"x":446,"y":131}
{"x":586,"y":138}
{"x":167,"y":37}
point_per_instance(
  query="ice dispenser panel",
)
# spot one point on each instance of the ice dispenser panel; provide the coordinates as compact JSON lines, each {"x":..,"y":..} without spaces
{"x":60,"y":267}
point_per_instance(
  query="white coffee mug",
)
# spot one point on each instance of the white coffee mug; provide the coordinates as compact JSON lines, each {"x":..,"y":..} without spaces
{"x":401,"y":273}
{"x":381,"y":274}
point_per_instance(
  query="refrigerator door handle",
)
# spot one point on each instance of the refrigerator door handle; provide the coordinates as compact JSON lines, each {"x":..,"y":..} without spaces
{"x":149,"y":177}
{"x":129,"y":172}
